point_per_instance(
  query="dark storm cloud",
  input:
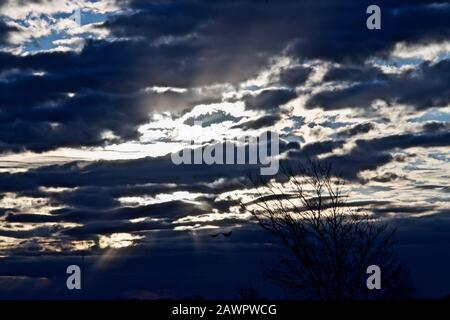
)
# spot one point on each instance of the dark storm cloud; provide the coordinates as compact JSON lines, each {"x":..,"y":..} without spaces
{"x":355,"y":73}
{"x":86,"y":198}
{"x":40,"y":231}
{"x":371,"y":154}
{"x":269,"y":99}
{"x":326,"y":29}
{"x":93,"y":229}
{"x":173,"y":209}
{"x":340,"y":36}
{"x":295,"y":76}
{"x":350,"y":165}
{"x":405,"y":141}
{"x":104,"y":197}
{"x":4,"y":32}
{"x":367,"y":154}
{"x":424,"y":87}
{"x":313,"y":149}
{"x":99,"y":184}
{"x":94,"y":204}
{"x":211,"y":118}
{"x":122,"y":173}
{"x":436,"y":126}
{"x":357,"y":129}
{"x":108,"y":96}
{"x":197,"y":43}
{"x":108,"y":227}
{"x":119,"y":175}
{"x":156,"y":19}
{"x":264,"y":121}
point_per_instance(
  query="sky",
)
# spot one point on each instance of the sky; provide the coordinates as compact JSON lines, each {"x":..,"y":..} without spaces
{"x":90,"y":113}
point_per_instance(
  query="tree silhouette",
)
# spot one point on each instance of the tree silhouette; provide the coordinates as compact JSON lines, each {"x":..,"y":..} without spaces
{"x":329,"y":244}
{"x":248,"y":292}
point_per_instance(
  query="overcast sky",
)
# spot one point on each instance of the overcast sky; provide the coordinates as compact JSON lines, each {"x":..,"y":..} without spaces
{"x":90,"y":112}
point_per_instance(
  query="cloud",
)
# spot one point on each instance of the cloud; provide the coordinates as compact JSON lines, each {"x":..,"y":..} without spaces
{"x":357,"y":129}
{"x":338,"y":33}
{"x":211,"y":118}
{"x":160,"y":60}
{"x":5,"y":30}
{"x":294,"y":76}
{"x":373,"y":153}
{"x":269,"y":99}
{"x":79,"y":97}
{"x":264,"y":121}
{"x":355,"y":73}
{"x":436,"y":126}
{"x":313,"y":30}
{"x":197,"y":43}
{"x":166,"y":210}
{"x":421,"y":88}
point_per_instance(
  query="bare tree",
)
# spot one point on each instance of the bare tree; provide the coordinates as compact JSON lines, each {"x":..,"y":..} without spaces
{"x":329,"y":243}
{"x":248,"y":292}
